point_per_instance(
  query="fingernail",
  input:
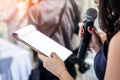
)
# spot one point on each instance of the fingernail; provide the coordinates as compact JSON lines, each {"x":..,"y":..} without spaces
{"x":82,"y":30}
{"x":81,"y":36}
{"x":90,"y":28}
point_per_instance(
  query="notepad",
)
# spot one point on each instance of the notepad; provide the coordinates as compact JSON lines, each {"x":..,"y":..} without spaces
{"x":41,"y":43}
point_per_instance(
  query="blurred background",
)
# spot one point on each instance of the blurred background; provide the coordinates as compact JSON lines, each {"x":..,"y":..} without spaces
{"x":13,"y":14}
{"x":16,"y":60}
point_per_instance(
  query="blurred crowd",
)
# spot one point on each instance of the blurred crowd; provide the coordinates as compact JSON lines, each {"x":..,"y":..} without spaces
{"x":13,"y":15}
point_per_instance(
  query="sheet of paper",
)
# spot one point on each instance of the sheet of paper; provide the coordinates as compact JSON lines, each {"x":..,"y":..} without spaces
{"x":42,"y":43}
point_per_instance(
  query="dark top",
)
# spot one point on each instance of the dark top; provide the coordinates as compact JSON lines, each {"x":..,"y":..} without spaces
{"x":100,"y":63}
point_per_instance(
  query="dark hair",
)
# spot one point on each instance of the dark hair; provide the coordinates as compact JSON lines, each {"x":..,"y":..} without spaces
{"x":109,"y":15}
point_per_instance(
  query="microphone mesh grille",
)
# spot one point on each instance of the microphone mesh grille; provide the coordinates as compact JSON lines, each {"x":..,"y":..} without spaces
{"x":91,"y":14}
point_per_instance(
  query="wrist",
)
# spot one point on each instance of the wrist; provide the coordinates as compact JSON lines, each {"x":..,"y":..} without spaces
{"x":64,"y":75}
{"x":63,"y":71}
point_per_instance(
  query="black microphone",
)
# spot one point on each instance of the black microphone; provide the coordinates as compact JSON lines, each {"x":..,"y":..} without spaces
{"x":91,"y":15}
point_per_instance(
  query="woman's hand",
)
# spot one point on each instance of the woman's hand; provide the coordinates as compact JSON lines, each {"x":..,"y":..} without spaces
{"x":96,"y":40}
{"x":56,"y":66}
{"x":53,"y":64}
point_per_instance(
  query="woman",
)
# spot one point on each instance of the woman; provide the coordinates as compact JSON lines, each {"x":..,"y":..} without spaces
{"x":106,"y":62}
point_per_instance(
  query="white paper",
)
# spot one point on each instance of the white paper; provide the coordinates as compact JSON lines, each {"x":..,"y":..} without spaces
{"x":41,"y":43}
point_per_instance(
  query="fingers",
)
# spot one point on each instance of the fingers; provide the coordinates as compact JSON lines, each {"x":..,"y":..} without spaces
{"x":83,"y":20}
{"x":54,"y":55}
{"x":45,"y":58}
{"x":42,"y":57}
{"x":81,"y":24}
{"x":91,"y":29}
{"x":81,"y":32}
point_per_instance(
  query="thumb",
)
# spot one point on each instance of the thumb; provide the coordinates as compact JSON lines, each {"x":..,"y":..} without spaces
{"x":54,"y":55}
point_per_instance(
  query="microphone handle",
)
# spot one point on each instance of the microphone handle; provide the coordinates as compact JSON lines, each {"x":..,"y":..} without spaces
{"x":84,"y":43}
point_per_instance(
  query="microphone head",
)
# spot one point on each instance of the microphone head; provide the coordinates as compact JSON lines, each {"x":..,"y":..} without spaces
{"x":91,"y":14}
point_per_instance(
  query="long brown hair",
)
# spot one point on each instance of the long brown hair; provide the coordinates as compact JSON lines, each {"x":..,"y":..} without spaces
{"x":109,"y":15}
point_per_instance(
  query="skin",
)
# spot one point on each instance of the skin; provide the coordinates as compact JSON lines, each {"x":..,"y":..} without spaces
{"x":55,"y":65}
{"x":113,"y":67}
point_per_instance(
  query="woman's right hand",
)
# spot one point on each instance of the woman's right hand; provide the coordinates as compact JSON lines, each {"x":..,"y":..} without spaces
{"x":96,"y":40}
